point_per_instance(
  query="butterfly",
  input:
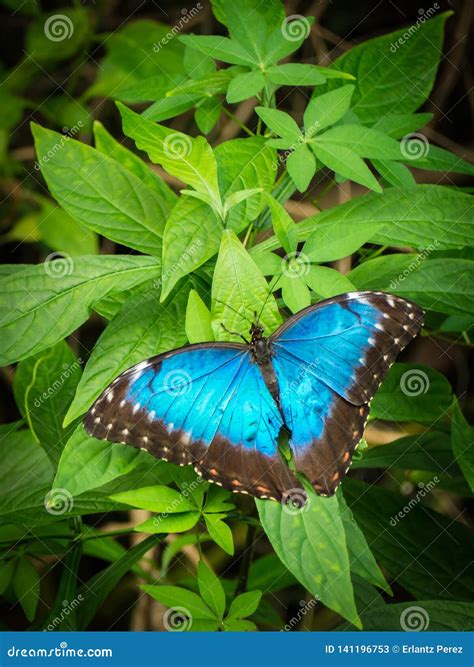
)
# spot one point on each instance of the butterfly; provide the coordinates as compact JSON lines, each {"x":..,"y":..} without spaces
{"x":223,"y":406}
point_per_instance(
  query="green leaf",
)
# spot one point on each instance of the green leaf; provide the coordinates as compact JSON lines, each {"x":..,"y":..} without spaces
{"x":327,"y":109}
{"x":326,"y":282}
{"x":219,"y":48}
{"x":211,"y":589}
{"x":136,"y":52}
{"x":7,"y":570}
{"x":169,"y":107}
{"x":26,"y":584}
{"x":182,"y":599}
{"x":462,"y":442}
{"x":280,"y":123}
{"x":399,"y":124}
{"x":301,"y":167}
{"x":345,"y":162}
{"x":398,"y":534}
{"x":412,"y":393}
{"x":243,"y":164}
{"x":43,"y":386}
{"x":287,"y":37}
{"x":190,"y":160}
{"x":141,"y":329}
{"x":246,"y":25}
{"x":192,"y":236}
{"x":239,"y":196}
{"x":284,"y":227}
{"x":362,"y":140}
{"x":87,"y":463}
{"x":432,"y":615}
{"x":391,"y":76}
{"x":99,"y":193}
{"x":104,"y":582}
{"x":207,"y":114}
{"x":331,"y":242}
{"x":239,"y":625}
{"x":155,"y":499}
{"x":244,"y":86}
{"x":384,"y":272}
{"x":220,"y":532}
{"x":442,"y":285}
{"x":40,"y":306}
{"x":311,"y":543}
{"x":218,"y":500}
{"x":198,"y":320}
{"x":295,"y":74}
{"x":71,"y":28}
{"x":395,"y":173}
{"x":294,"y":292}
{"x":244,"y":605}
{"x":438,"y":159}
{"x":361,"y":558}
{"x":173,"y":523}
{"x":106,"y":143}
{"x":238,"y":290}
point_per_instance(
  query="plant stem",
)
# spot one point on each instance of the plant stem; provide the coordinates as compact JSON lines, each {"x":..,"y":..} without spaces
{"x":238,"y":122}
{"x":246,"y":560}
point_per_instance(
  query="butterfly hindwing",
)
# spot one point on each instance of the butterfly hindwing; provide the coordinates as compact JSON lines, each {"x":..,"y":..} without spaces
{"x":329,"y":360}
{"x":205,"y":405}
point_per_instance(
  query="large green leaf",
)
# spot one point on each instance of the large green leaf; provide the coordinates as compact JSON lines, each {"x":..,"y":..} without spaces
{"x":192,"y":236}
{"x":395,"y":72}
{"x":238,"y":291}
{"x":432,"y":615}
{"x":243,"y":164}
{"x":26,"y":584}
{"x":190,"y":160}
{"x":100,"y":193}
{"x":326,"y":109}
{"x":311,"y":543}
{"x":39,"y":306}
{"x":211,"y":589}
{"x":414,"y":544}
{"x":44,"y":386}
{"x":412,"y":393}
{"x":181,"y":599}
{"x":156,"y":499}
{"x":141,"y":329}
{"x":328,"y":243}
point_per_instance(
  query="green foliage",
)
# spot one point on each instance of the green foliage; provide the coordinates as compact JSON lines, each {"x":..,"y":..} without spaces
{"x":197,"y":261}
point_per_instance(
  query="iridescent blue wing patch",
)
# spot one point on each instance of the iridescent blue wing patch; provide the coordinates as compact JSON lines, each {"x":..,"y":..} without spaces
{"x":206,"y":405}
{"x":329,"y":360}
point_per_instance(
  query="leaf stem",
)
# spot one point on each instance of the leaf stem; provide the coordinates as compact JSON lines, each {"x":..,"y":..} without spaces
{"x":246,"y":560}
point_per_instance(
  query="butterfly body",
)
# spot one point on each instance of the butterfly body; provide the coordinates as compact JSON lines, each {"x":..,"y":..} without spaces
{"x":223,"y":406}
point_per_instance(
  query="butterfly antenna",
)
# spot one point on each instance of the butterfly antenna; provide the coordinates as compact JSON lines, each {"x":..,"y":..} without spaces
{"x":271,"y":289}
{"x":237,"y":312}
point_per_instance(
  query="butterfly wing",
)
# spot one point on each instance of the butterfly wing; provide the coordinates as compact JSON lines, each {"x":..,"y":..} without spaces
{"x":329,"y":360}
{"x":206,"y":405}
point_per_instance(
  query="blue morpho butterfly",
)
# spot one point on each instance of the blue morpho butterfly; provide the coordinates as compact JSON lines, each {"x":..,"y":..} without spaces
{"x":221,"y":406}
